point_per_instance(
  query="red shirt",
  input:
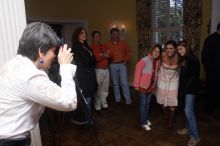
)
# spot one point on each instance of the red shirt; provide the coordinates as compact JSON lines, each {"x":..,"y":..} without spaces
{"x":101,"y":62}
{"x":119,"y":51}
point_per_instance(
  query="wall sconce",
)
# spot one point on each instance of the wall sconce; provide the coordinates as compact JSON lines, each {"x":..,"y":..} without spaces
{"x":122,"y":28}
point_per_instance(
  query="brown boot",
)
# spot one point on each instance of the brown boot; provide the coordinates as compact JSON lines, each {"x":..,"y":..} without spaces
{"x":170,"y":121}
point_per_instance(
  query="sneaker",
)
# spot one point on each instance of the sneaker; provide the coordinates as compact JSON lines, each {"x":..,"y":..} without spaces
{"x":182,"y":131}
{"x":148,"y":123}
{"x":128,"y":102}
{"x":146,"y":127}
{"x":192,"y":142}
{"x":105,"y":106}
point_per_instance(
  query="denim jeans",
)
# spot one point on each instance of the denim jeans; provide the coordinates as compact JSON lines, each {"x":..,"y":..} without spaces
{"x":118,"y":74}
{"x":190,"y":116}
{"x":144,"y":107}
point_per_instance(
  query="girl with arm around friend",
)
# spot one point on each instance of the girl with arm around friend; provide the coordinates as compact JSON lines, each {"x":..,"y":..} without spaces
{"x":144,"y":82}
{"x":189,"y":81}
{"x":168,"y":82}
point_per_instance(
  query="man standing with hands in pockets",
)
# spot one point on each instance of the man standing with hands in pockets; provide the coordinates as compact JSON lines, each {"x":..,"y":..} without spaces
{"x":119,"y":55}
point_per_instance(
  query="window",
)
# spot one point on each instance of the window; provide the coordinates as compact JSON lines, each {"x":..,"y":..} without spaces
{"x":215,"y":17}
{"x":167,"y":20}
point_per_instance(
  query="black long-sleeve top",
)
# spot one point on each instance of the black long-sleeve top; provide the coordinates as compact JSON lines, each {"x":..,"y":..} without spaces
{"x":189,"y":74}
{"x":211,"y":51}
{"x":85,"y":73}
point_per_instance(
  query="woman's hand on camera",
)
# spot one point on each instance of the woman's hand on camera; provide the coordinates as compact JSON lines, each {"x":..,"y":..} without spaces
{"x":65,"y":56}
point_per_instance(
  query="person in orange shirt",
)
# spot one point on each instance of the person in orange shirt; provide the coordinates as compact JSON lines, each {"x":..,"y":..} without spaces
{"x":119,"y":54}
{"x":102,"y":72}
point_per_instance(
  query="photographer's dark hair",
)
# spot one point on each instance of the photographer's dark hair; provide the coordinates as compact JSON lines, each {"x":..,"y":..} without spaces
{"x":114,"y":30}
{"x":95,"y":32}
{"x":37,"y":36}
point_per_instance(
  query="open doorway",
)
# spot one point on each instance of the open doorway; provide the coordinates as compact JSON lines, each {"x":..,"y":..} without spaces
{"x":63,"y":28}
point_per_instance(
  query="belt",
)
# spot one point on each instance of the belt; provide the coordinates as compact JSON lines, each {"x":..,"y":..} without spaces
{"x":15,"y":142}
{"x":118,"y":62}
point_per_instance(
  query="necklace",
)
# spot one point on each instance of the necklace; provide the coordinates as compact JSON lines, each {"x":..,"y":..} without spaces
{"x":87,"y":50}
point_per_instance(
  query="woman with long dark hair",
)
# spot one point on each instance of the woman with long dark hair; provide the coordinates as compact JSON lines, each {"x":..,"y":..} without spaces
{"x":189,"y":81}
{"x":85,"y":61}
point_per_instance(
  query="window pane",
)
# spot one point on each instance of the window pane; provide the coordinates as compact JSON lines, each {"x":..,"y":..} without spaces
{"x":176,"y":13}
{"x":176,"y":35}
{"x":159,"y":7}
{"x":167,"y":20}
{"x":159,"y":37}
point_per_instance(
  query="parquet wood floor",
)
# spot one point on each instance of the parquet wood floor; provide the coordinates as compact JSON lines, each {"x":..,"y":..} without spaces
{"x":119,"y":127}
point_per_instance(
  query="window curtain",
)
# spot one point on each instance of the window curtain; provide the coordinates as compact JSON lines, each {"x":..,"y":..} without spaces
{"x":143,"y":20}
{"x":12,"y":24}
{"x":192,"y":21}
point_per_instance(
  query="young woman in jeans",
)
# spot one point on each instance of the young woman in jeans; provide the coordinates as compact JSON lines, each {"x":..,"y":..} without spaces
{"x":144,"y":82}
{"x":189,"y":80}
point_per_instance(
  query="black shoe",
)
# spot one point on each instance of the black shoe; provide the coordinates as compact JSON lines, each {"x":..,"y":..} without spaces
{"x":109,"y":109}
{"x":118,"y":103}
{"x":79,"y":122}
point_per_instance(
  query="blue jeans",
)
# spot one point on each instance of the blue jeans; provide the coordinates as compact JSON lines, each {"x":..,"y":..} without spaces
{"x":118,"y":74}
{"x":144,"y":107}
{"x":190,"y":116}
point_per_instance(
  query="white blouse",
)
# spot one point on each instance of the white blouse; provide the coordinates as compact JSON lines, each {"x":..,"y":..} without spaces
{"x":26,"y":90}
